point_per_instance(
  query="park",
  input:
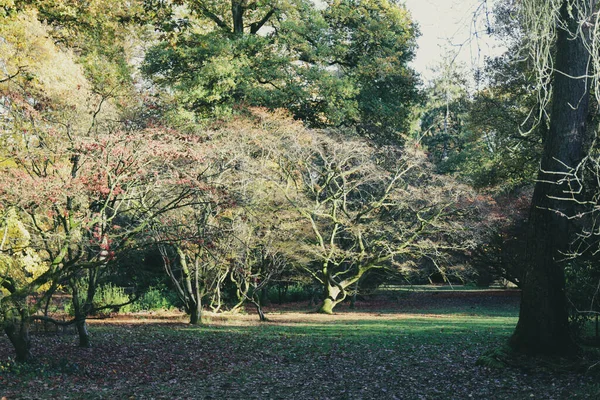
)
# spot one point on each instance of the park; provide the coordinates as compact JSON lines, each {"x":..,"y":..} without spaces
{"x":274,"y":199}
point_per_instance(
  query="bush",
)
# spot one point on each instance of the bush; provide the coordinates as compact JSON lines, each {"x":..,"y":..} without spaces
{"x":582,"y":286}
{"x":106,"y":295}
{"x":154,"y":299}
{"x":111,"y":295}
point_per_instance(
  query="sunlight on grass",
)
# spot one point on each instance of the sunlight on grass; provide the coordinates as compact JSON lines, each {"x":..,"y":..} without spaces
{"x":364,"y":327}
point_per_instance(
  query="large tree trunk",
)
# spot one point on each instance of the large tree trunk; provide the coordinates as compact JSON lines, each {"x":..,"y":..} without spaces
{"x":331,"y":299}
{"x":195,"y":314}
{"x":80,"y":312}
{"x":18,"y":334}
{"x":543,"y":319}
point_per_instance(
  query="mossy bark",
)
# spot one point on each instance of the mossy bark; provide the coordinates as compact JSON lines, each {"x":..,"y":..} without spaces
{"x":84,"y":335}
{"x":331,"y":299}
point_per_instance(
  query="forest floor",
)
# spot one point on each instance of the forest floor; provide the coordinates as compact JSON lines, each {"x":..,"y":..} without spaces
{"x":414,"y":346}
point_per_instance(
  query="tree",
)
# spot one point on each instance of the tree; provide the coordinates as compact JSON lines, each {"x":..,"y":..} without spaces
{"x":256,"y":263}
{"x":34,"y":98}
{"x":19,"y":266}
{"x":343,"y":65}
{"x":444,"y":130}
{"x":81,"y":183}
{"x":363,"y":210}
{"x":543,"y":318}
{"x":188,"y":242}
{"x":102,"y":34}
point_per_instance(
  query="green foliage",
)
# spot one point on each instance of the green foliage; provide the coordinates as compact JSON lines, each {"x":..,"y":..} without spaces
{"x":106,"y":296}
{"x":154,"y":299}
{"x":373,"y":43}
{"x":495,"y":358}
{"x":583,"y":290}
{"x":489,"y":138}
{"x":280,"y":293}
{"x":344,"y":65}
{"x":109,"y":295}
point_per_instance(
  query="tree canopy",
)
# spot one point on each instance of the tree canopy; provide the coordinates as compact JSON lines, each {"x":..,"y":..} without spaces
{"x":345,"y":64}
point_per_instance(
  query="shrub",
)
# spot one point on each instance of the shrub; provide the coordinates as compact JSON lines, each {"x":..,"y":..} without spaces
{"x":111,"y":295}
{"x":105,"y":296}
{"x":155,"y":298}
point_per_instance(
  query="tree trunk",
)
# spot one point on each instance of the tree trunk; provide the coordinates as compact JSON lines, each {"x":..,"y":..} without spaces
{"x":543,"y":319}
{"x":331,"y":299}
{"x":196,"y":311}
{"x":80,"y":311}
{"x":237,"y":12}
{"x":195,"y":315}
{"x":82,"y":332}
{"x":18,"y":334}
{"x":261,"y":314}
{"x":354,"y":295}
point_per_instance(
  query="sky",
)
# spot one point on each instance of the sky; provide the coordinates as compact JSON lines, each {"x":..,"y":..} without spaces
{"x":448,"y":26}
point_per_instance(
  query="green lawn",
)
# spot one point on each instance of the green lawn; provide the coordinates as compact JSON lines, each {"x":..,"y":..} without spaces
{"x":398,"y":354}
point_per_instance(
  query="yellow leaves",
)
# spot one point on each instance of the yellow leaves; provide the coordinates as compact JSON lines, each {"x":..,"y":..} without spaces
{"x":18,"y":260}
{"x":14,"y":236}
{"x":26,"y":46}
{"x":6,"y":5}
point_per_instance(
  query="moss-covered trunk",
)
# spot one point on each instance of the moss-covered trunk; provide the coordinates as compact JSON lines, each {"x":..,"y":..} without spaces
{"x":331,"y":299}
{"x":81,"y":308}
{"x":82,"y":332}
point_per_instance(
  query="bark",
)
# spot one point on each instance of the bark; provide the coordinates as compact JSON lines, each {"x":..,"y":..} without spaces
{"x":18,"y":334}
{"x":543,"y":318}
{"x":81,"y":311}
{"x":261,"y":314}
{"x":238,"y":7}
{"x":82,"y":332}
{"x":354,"y":295}
{"x":196,"y":314}
{"x":331,"y":299}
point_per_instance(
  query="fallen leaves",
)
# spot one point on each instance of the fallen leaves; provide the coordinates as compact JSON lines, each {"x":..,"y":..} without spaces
{"x":297,"y":355}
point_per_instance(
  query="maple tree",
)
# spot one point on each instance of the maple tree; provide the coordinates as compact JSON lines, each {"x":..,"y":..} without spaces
{"x":365,"y":209}
{"x":81,"y":184}
{"x":187,"y":239}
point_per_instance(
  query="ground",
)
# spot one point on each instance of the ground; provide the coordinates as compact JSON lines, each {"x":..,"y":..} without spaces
{"x":418,"y":346}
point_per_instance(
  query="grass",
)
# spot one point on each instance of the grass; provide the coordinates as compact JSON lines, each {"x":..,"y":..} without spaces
{"x":439,"y":288}
{"x":424,"y":351}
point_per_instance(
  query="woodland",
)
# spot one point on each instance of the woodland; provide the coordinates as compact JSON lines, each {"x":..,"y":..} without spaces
{"x":263,"y":199}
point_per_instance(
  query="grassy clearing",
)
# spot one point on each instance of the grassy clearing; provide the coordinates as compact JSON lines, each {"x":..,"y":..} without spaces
{"x":404,"y":353}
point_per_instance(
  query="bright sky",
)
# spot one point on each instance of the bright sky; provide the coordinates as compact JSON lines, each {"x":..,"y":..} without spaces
{"x":447,"y":26}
